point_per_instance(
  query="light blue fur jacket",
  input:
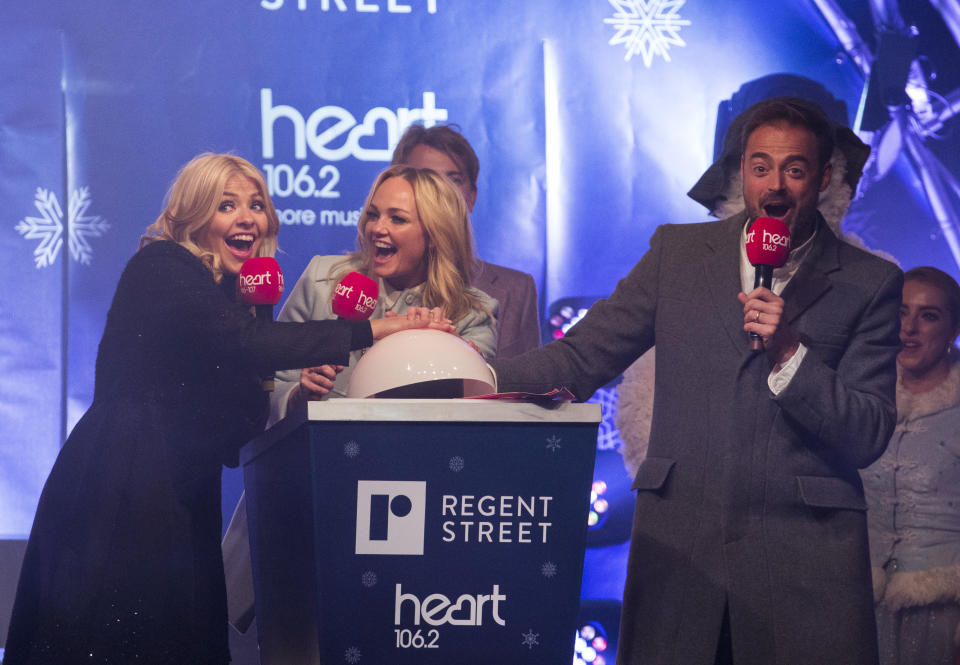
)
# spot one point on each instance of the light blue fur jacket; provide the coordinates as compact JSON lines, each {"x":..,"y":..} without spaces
{"x":913,"y":498}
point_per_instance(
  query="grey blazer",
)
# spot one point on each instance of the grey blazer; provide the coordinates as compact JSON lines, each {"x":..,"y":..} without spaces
{"x":747,"y":502}
{"x":518,"y":323}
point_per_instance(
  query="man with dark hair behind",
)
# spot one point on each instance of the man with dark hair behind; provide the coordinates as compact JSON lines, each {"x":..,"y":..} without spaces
{"x":749,"y":540}
{"x":443,"y":149}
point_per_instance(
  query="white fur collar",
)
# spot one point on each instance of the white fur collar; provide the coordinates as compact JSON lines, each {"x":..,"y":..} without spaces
{"x":911,"y":406}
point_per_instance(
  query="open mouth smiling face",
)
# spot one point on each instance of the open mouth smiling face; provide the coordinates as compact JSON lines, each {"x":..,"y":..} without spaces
{"x":782,"y":177}
{"x":238,"y":226}
{"x":395,"y":234}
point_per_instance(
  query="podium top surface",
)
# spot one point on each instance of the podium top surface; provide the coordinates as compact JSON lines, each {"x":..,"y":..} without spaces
{"x":421,"y":411}
{"x":450,"y":410}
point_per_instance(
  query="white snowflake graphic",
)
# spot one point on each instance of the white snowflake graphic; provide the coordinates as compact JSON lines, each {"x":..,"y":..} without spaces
{"x":48,"y":228}
{"x":352,"y":655}
{"x":351,"y":449}
{"x":368,"y":579}
{"x":548,"y":569}
{"x":553,"y":443}
{"x":83,"y":226}
{"x":531,"y":639}
{"x":456,"y":464}
{"x":647,"y":27}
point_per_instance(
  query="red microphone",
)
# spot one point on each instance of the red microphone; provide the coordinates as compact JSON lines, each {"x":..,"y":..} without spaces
{"x":355,"y":297}
{"x":768,"y":245}
{"x":260,"y":283}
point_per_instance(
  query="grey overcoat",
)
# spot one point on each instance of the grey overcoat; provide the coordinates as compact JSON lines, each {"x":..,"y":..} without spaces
{"x":746,"y":501}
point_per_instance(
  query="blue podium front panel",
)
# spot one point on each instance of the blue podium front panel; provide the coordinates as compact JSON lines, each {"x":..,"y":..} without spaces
{"x":453,"y":540}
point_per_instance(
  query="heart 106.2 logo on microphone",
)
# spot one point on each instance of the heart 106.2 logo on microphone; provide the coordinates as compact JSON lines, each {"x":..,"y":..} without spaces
{"x":771,"y":242}
{"x":391,"y":516}
{"x":250,"y":283}
{"x":361,"y":302}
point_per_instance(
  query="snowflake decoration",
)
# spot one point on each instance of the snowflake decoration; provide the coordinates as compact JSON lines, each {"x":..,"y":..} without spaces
{"x":351,"y":449}
{"x":531,"y":639}
{"x":48,"y":227}
{"x":553,"y":443}
{"x":456,"y":464}
{"x":548,"y":569}
{"x":83,"y":226}
{"x":647,"y":27}
{"x":368,"y":579}
{"x":352,"y":655}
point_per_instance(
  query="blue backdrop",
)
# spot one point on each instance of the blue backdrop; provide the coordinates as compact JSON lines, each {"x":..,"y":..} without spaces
{"x":589,"y":133}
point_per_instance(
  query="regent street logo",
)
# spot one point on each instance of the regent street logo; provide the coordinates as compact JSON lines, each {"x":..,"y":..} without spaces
{"x":48,"y":227}
{"x":647,"y":28}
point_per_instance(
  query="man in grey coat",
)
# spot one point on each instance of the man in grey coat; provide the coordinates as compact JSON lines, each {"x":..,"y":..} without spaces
{"x":749,"y":539}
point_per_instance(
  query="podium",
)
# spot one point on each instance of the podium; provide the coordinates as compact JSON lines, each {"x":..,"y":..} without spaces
{"x":395,"y":532}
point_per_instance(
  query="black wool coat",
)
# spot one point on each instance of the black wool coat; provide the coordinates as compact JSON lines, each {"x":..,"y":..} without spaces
{"x":123,"y":563}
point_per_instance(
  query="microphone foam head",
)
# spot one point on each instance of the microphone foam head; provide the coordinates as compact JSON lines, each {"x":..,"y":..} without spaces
{"x":260,"y":281}
{"x":355,"y":297}
{"x":768,"y":242}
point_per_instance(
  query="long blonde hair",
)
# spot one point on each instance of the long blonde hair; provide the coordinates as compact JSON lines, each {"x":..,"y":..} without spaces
{"x":193,"y":199}
{"x":449,"y":248}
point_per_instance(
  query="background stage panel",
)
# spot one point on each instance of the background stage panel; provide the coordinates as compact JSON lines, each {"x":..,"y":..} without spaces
{"x":589,"y":133}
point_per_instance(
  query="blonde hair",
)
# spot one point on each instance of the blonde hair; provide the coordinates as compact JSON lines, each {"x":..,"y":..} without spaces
{"x":192,"y":201}
{"x":449,"y":248}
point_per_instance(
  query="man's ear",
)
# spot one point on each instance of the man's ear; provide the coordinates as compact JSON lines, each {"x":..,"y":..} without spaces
{"x":826,"y":176}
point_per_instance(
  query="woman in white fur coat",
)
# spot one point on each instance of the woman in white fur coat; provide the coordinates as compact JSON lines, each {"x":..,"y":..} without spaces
{"x":913,"y":490}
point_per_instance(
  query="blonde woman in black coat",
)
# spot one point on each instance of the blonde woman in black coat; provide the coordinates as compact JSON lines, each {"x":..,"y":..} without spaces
{"x":123,"y":563}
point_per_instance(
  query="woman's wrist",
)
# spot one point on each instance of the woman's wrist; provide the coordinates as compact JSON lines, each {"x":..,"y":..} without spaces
{"x":295,"y":398}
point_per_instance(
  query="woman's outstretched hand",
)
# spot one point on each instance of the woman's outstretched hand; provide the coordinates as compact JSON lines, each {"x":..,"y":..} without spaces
{"x":416,"y":317}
